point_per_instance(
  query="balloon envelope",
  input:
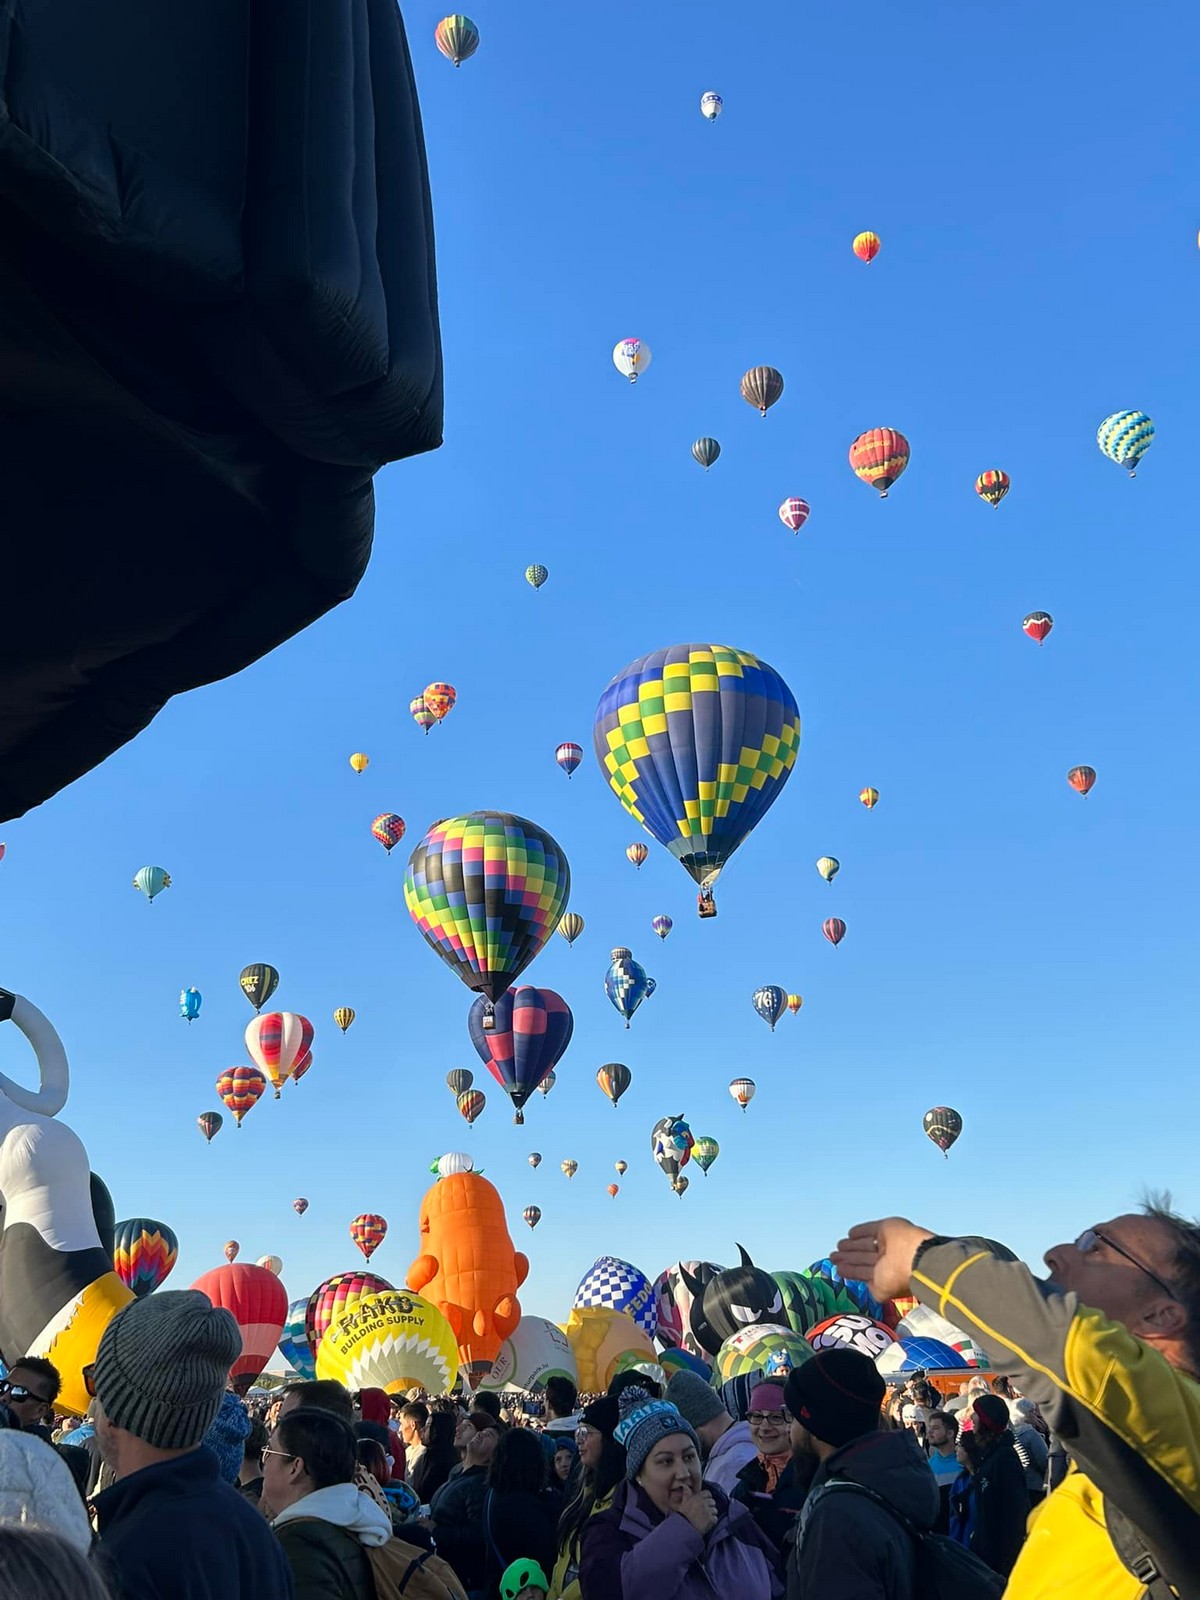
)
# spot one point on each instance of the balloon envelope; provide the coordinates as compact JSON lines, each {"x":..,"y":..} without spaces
{"x":144,"y":1251}
{"x":334,"y":1299}
{"x":293,"y":1342}
{"x":277,"y":1042}
{"x":391,"y":1341}
{"x":619,"y":1286}
{"x":529,"y":1033}
{"x":258,"y":1303}
{"x":259,"y":982}
{"x":537,"y":1350}
{"x":368,"y":1232}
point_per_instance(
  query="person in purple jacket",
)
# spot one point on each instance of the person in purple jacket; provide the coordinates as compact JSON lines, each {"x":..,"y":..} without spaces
{"x":667,"y":1536}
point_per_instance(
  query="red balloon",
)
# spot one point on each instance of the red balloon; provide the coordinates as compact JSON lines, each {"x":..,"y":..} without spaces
{"x":368,"y":1232}
{"x":1081,"y":779}
{"x":258,"y":1303}
{"x":834,"y":929}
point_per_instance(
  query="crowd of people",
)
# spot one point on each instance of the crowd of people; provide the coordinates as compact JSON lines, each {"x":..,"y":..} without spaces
{"x":822,"y":1486}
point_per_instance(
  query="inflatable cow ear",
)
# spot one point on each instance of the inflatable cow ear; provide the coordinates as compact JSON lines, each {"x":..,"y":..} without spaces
{"x":51,"y":1095}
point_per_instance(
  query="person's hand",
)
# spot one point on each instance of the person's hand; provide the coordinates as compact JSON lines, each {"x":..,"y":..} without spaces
{"x":881,"y":1254}
{"x":701,"y":1511}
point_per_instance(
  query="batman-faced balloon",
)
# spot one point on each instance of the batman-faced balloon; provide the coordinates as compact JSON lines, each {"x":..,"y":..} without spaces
{"x":732,"y":1300}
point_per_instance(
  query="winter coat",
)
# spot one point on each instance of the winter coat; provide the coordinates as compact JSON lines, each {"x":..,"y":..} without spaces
{"x":1002,"y":1506}
{"x":728,"y":1456}
{"x":633,"y":1552}
{"x":564,"y":1580}
{"x":1033,"y":1454}
{"x":849,"y":1548}
{"x":176,"y":1531}
{"x":431,"y":1472}
{"x":962,"y":1509}
{"x":325,"y":1537}
{"x":457,"y":1514}
{"x":518,"y":1525}
{"x":776,"y":1512}
{"x":36,"y":1487}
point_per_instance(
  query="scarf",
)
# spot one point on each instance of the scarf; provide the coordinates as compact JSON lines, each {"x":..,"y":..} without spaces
{"x":773,"y":1466}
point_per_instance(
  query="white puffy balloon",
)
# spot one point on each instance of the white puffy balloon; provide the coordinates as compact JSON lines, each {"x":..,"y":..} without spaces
{"x":711,"y":105}
{"x":631,"y":357}
{"x":455,"y":1161}
{"x":536,"y":1351}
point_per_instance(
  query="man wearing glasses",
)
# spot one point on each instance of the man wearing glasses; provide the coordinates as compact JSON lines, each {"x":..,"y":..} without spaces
{"x":1108,"y":1345}
{"x":29,"y":1392}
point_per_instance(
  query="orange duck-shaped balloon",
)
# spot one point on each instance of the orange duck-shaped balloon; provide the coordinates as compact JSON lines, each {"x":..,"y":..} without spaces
{"x":468,"y":1267}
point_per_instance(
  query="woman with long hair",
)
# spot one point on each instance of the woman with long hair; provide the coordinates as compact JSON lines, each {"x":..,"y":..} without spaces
{"x":603,"y":1462}
{"x":440,"y":1457}
{"x":520,"y":1513}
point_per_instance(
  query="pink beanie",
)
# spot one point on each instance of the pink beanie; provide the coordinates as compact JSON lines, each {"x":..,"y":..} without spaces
{"x":766,"y":1397}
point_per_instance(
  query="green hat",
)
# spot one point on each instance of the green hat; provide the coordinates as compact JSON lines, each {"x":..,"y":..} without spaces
{"x":523,"y":1574}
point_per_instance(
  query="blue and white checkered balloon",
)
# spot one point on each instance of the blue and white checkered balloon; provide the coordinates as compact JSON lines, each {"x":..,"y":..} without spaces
{"x":618,"y":1286}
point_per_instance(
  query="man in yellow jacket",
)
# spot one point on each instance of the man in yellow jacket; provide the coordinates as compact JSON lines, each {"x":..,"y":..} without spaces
{"x":1109,"y":1347}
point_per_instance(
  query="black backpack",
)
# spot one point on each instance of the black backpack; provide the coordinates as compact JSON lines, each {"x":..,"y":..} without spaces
{"x":944,"y":1569}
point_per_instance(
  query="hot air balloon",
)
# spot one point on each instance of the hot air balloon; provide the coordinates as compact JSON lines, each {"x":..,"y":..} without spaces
{"x":622,"y":1167}
{"x":743,"y":1091}
{"x":535,"y":1159}
{"x":866,"y":246}
{"x":360,"y":762}
{"x":661,"y":925}
{"x":614,"y":1079}
{"x":521,"y":1039}
{"x":459,"y":1081}
{"x":570,"y":925}
{"x":704,"y":1152}
{"x":336,"y":1298}
{"x":869,"y":798}
{"x":569,"y":756}
{"x":440,"y":698}
{"x":671,"y":1144}
{"x":613,"y":1190}
{"x":834,"y":930}
{"x":240,"y":1088}
{"x":259,"y":982}
{"x":189,"y":1003}
{"x":536,"y":575}
{"x":231,"y":1250}
{"x":258,"y":1303}
{"x":878,"y":457}
{"x":457,"y":38}
{"x":636,"y":853}
{"x":486,"y":891}
{"x":943,"y":1126}
{"x":271,"y":1264}
{"x":570,"y":1168}
{"x":794,"y":513}
{"x":394,"y":1342}
{"x":143,"y":1253}
{"x":547,"y":1084}
{"x":302,"y":1066}
{"x":1125,"y":437}
{"x":626,"y":983}
{"x":828,"y":867}
{"x":681,"y":1184}
{"x":471,"y":1103}
{"x":770,"y":1002}
{"x":300,"y":1206}
{"x":368,"y":1231}
{"x":420,"y":712}
{"x":151,"y":881}
{"x":711,"y":105}
{"x":666,"y":731}
{"x":706,"y":451}
{"x":631,"y":357}
{"x":293,"y":1344}
{"x":388,"y":828}
{"x":1037,"y":625}
{"x":277,"y":1042}
{"x":794,"y":1002}
{"x":210,"y":1124}
{"x":344,"y":1016}
{"x":532,"y":1215}
{"x":761,"y":387}
{"x":1081,"y":779}
{"x":992,"y":486}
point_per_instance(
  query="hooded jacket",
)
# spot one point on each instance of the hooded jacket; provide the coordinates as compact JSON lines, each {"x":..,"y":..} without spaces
{"x":1130,"y":1421}
{"x":1001,"y":1505}
{"x":633,"y":1552}
{"x":847,"y":1547}
{"x":325,"y":1537}
{"x":728,"y":1456}
{"x":457,"y":1513}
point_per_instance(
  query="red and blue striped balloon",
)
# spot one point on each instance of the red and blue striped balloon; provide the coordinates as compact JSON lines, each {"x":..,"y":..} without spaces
{"x":532,"y":1029}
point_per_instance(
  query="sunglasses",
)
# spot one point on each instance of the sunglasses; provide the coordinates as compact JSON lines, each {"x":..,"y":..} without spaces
{"x":267,"y":1451}
{"x":1091,"y":1237}
{"x":777,"y":1418}
{"x":89,"y":1379}
{"x":18,"y":1392}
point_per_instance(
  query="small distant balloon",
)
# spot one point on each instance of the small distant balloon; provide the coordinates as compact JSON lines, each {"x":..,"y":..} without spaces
{"x":711,"y":105}
{"x":570,"y":925}
{"x":878,"y":457}
{"x":631,"y":357}
{"x":388,"y":828}
{"x":471,"y":1103}
{"x":1037,"y":625}
{"x":794,"y":1002}
{"x":637,"y":853}
{"x":622,"y":1167}
{"x":151,"y":881}
{"x":360,"y":762}
{"x":231,"y":1250}
{"x":614,"y":1190}
{"x":259,"y":982}
{"x":706,"y":451}
{"x":866,"y":246}
{"x":189,"y":1003}
{"x":828,"y":867}
{"x":368,"y":1230}
{"x":440,"y":698}
{"x":300,"y":1206}
{"x":794,"y":513}
{"x":705,"y":1151}
{"x":1082,"y":779}
{"x":614,"y":1079}
{"x":770,"y":1002}
{"x":570,"y":1168}
{"x":344,"y":1016}
{"x":869,"y":798}
{"x":943,"y":1125}
{"x":459,"y":1080}
{"x":532,"y":1215}
{"x":240,"y":1088}
{"x":273,"y":1264}
{"x":536,"y":575}
{"x":535,"y":1159}
{"x":992,"y":486}
{"x":661,"y":925}
{"x":547,"y":1084}
{"x":210,"y":1124}
{"x":762,"y":387}
{"x":569,"y":756}
{"x":834,"y":929}
{"x":457,"y":38}
{"x":420,"y":712}
{"x":743,"y":1091}
{"x":1125,"y":437}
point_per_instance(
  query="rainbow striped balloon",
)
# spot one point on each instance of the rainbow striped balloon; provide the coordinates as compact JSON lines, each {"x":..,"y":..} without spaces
{"x":878,"y":457}
{"x":144,"y":1251}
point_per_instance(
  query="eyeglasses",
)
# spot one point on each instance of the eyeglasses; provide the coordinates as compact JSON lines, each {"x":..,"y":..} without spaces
{"x":267,"y":1451}
{"x":89,"y":1379}
{"x":18,"y":1392}
{"x":583,"y":1431}
{"x":775,"y":1418}
{"x":1091,"y":1237}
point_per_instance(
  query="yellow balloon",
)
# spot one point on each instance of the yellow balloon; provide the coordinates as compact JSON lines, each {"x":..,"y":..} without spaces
{"x":600,"y":1338}
{"x":570,"y":925}
{"x":794,"y":1002}
{"x":392,"y":1341}
{"x":360,"y":762}
{"x":828,"y":867}
{"x":344,"y":1016}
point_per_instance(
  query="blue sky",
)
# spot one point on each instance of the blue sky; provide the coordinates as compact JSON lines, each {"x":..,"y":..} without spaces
{"x":1023,"y":954}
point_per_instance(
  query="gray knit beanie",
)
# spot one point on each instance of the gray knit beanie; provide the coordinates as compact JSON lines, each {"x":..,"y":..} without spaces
{"x":695,"y":1400}
{"x":644,"y":1422}
{"x":162,"y":1367}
